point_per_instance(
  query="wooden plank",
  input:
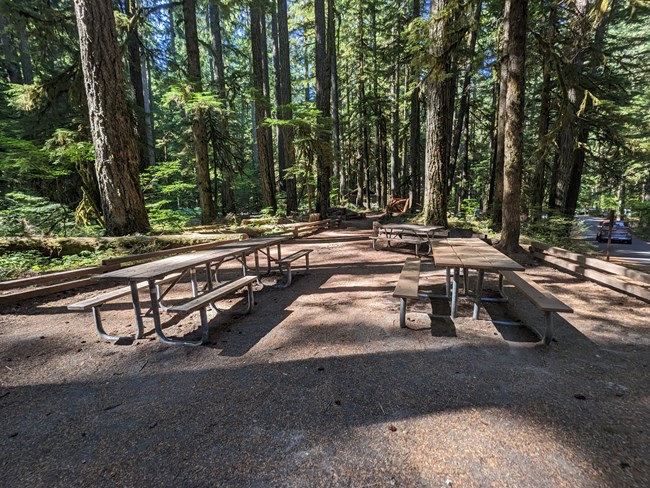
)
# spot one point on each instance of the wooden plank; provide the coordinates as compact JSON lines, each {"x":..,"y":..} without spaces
{"x":167,"y":252}
{"x":601,"y":278}
{"x":213,"y":295}
{"x":56,"y":277}
{"x":120,"y":292}
{"x":542,"y":298}
{"x":45,"y":290}
{"x":104,"y":297}
{"x":409,"y":280}
{"x":296,"y":255}
{"x":594,"y":263}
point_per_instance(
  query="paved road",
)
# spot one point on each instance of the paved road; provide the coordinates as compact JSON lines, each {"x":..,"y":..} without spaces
{"x":638,"y":252}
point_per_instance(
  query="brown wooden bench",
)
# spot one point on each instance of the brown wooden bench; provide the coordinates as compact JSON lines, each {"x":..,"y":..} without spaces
{"x":201,"y":302}
{"x":287,"y":261}
{"x":541,"y":298}
{"x":95,"y":303}
{"x":407,"y":287}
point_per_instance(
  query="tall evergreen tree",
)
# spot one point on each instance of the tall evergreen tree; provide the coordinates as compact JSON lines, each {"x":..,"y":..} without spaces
{"x":116,"y":158}
{"x":199,"y":131}
{"x":514,"y":125}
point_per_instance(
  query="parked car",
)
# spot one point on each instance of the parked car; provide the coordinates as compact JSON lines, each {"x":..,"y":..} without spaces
{"x":620,"y":232}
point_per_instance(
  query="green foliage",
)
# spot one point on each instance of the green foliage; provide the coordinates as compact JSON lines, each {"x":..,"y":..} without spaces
{"x":164,"y":218}
{"x":557,"y":231}
{"x":17,"y":264}
{"x":182,"y":96}
{"x":26,"y":263}
{"x":24,"y":215}
{"x":469,"y":208}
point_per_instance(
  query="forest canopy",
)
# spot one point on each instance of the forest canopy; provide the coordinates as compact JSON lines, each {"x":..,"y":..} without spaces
{"x":138,"y":115}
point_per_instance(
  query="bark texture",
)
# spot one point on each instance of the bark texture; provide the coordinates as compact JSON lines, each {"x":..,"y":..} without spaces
{"x":262,"y":103}
{"x":111,"y":127}
{"x":414,"y":125}
{"x":285,"y":112}
{"x":514,"y":127}
{"x":463,"y":111}
{"x":323,"y":104}
{"x":538,"y":180}
{"x":227,"y":172}
{"x":497,"y":198}
{"x":137,"y":87}
{"x":439,"y":110}
{"x":199,"y":131}
{"x":10,"y":64}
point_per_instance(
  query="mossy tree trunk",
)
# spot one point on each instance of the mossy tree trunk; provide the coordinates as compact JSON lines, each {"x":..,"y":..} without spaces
{"x":116,"y":158}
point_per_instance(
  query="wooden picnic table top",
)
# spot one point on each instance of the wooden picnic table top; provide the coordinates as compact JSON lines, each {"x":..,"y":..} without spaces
{"x":180,"y":262}
{"x":471,"y":253}
{"x":416,"y":227}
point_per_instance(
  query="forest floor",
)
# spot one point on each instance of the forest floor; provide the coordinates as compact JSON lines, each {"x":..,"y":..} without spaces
{"x":320,"y":387}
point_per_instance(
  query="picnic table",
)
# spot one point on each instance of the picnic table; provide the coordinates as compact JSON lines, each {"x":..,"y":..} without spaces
{"x":471,"y":253}
{"x":178,"y":266}
{"x":406,"y":234}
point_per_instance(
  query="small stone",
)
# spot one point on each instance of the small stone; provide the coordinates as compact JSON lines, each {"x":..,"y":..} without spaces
{"x":392,"y":428}
{"x":580,"y":396}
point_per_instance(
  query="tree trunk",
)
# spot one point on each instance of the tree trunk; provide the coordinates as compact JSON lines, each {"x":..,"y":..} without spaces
{"x":227,"y":171}
{"x":571,"y":125}
{"x":414,"y":124}
{"x":394,"y":133}
{"x":171,"y":48}
{"x":277,"y":83}
{"x":286,"y":112}
{"x":323,"y":104}
{"x":148,"y":111}
{"x":575,"y":176}
{"x":538,"y":180}
{"x":363,"y":176}
{"x":115,"y":151}
{"x":497,"y":199}
{"x":10,"y":64}
{"x":493,"y":139}
{"x":260,"y":86}
{"x":137,"y":89}
{"x":514,"y":127}
{"x":463,"y":111}
{"x":336,"y":126}
{"x":25,"y":54}
{"x":199,"y":131}
{"x":466,"y":179}
{"x":439,"y":110}
{"x":380,"y":179}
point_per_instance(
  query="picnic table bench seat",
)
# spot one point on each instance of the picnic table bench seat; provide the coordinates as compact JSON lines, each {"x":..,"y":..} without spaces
{"x":408,"y":286}
{"x":417,"y":241}
{"x":95,"y":303}
{"x":538,"y":296}
{"x":287,"y":261}
{"x":202,"y":301}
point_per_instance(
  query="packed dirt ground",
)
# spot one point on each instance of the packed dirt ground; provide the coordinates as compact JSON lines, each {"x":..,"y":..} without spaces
{"x":320,"y":387}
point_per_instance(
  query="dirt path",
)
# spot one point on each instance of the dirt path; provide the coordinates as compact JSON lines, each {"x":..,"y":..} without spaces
{"x":320,"y":387}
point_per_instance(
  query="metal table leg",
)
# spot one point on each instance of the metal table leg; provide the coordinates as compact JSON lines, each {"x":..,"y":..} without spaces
{"x":477,"y":293}
{"x":135,"y":297}
{"x":155,"y":311}
{"x":454,"y":293}
{"x":447,"y":282}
